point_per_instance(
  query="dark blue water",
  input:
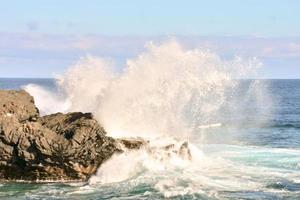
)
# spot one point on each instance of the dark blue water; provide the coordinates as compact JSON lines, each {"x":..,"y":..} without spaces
{"x":283,"y":128}
{"x":254,"y":161}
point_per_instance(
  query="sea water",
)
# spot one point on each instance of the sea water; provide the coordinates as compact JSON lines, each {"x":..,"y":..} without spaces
{"x":244,"y":135}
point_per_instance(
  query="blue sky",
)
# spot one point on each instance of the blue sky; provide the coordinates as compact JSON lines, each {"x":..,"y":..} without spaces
{"x":41,"y":38}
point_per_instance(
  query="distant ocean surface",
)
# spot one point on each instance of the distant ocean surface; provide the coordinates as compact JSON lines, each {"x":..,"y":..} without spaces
{"x":18,"y":83}
{"x":252,"y":161}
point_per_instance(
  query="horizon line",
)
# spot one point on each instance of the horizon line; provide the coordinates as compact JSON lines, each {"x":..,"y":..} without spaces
{"x":275,"y":78}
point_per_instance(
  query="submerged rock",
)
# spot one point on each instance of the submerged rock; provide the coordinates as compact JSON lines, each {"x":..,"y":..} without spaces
{"x":55,"y":147}
{"x":163,"y":153}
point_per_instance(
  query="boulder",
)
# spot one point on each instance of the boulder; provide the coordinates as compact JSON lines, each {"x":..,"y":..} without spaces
{"x":60,"y":146}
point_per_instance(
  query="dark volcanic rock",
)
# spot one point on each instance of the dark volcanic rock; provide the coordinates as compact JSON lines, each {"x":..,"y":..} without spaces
{"x":59,"y":146}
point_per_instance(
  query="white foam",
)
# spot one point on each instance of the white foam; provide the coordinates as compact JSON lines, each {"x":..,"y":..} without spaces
{"x":131,"y":163}
{"x":119,"y":168}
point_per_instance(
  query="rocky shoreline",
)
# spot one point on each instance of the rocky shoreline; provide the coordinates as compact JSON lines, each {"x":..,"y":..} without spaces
{"x":57,"y":147}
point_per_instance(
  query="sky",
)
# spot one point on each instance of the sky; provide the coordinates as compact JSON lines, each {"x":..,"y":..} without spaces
{"x":43,"y":38}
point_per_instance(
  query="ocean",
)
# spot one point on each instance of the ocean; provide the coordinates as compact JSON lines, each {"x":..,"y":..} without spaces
{"x":249,"y":161}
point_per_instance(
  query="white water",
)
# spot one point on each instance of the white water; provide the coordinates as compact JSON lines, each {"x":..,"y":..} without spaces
{"x":47,"y":101}
{"x":167,"y":94}
{"x":165,"y":91}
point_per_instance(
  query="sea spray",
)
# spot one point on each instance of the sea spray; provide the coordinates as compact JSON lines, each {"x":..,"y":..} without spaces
{"x":165,"y":91}
{"x":46,"y":100}
{"x":86,"y":83}
{"x":169,"y":95}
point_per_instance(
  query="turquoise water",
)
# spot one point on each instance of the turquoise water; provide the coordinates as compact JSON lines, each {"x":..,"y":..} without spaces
{"x":249,"y":161}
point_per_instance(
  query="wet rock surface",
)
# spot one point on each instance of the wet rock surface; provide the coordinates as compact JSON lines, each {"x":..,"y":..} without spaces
{"x":60,"y":146}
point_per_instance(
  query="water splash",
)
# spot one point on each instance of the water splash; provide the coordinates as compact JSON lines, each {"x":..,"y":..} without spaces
{"x":46,"y":100}
{"x":165,"y":91}
{"x":172,"y":95}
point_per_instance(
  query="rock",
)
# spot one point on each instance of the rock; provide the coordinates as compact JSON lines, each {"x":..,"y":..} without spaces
{"x":55,"y":147}
{"x":18,"y":103}
{"x":85,"y":145}
{"x":131,"y":143}
{"x":165,"y":152}
{"x":184,"y":151}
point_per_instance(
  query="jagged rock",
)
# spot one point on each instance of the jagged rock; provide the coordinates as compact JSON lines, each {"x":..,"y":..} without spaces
{"x":59,"y":146}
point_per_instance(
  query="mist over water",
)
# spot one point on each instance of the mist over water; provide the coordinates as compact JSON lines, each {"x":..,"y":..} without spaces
{"x":170,"y":95}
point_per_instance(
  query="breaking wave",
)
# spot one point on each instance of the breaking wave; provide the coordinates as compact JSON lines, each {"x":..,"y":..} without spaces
{"x":169,"y":95}
{"x":165,"y":91}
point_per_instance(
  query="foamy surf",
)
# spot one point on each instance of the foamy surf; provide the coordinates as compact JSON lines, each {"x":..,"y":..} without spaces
{"x":215,"y":172}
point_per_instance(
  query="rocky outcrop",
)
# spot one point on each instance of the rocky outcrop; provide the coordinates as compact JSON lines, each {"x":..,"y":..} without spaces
{"x":55,"y":147}
{"x":18,"y":103}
